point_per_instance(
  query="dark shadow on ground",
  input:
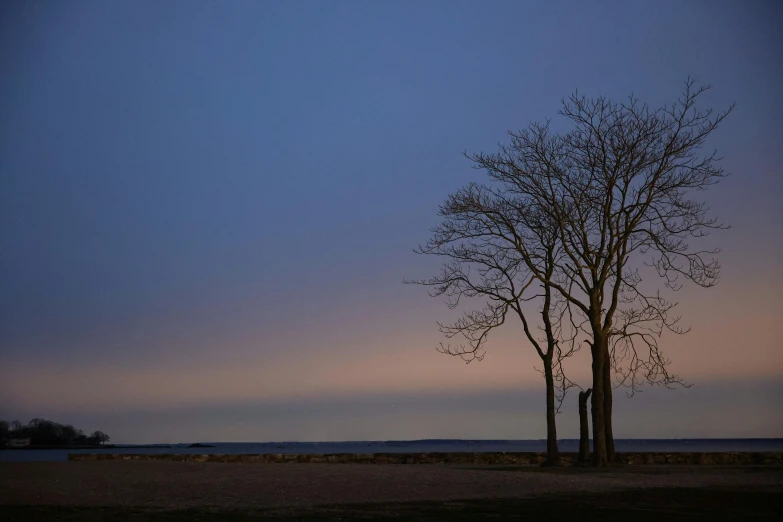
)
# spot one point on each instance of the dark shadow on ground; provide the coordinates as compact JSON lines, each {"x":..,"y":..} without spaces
{"x":653,"y":505}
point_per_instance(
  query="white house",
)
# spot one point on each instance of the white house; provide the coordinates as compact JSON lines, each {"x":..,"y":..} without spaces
{"x":19,"y":443}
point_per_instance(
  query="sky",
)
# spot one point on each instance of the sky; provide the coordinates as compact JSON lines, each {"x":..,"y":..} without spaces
{"x":207,"y":210}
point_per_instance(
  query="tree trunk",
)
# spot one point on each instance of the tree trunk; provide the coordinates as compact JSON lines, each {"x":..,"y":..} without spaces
{"x":599,"y":425}
{"x":552,"y":451}
{"x":610,"y":453}
{"x":584,"y":427}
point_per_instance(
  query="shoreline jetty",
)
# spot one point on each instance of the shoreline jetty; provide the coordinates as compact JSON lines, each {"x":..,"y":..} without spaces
{"x":458,"y":458}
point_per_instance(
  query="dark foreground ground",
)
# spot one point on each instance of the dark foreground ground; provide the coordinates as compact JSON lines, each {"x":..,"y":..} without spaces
{"x":171,"y":491}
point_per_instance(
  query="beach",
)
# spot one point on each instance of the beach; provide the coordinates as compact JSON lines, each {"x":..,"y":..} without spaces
{"x":150,"y":490}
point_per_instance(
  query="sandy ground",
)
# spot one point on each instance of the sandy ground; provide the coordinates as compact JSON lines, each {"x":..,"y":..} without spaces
{"x":177,"y":485}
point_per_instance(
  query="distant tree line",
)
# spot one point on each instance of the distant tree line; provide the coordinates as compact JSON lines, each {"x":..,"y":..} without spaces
{"x":42,"y":432}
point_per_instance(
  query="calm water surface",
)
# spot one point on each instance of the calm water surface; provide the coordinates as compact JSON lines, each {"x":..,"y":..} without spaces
{"x":415,"y":446}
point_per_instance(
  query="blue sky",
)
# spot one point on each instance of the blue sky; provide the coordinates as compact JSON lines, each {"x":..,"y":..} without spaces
{"x":213,"y":204}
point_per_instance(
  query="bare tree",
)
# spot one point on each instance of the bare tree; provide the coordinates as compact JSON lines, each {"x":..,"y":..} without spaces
{"x":5,"y":432}
{"x":618,"y":190}
{"x":99,"y":437}
{"x":15,"y":426}
{"x":483,"y":261}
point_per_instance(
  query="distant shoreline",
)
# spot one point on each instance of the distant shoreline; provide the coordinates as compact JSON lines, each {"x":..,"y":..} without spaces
{"x":234,"y":450}
{"x":107,"y":446}
{"x":395,"y":442}
{"x":112,"y":447}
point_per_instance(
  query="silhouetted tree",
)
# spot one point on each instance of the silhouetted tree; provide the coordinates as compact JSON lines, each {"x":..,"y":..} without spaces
{"x":16,"y":428}
{"x":618,"y":188}
{"x":98,"y":437}
{"x":483,"y":262}
{"x":43,"y":432}
{"x":5,"y":432}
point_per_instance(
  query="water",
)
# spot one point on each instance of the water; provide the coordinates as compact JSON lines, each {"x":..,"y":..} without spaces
{"x":410,"y":446}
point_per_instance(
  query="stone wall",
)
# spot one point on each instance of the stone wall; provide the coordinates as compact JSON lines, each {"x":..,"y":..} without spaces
{"x":764,"y":459}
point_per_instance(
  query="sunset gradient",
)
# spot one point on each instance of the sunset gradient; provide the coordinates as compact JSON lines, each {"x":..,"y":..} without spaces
{"x":207,"y":210}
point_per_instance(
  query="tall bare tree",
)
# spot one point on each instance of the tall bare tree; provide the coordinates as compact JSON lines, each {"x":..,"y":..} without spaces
{"x":483,"y":261}
{"x":619,"y":191}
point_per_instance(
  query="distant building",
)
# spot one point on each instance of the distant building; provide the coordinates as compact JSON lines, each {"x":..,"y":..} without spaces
{"x":19,"y":443}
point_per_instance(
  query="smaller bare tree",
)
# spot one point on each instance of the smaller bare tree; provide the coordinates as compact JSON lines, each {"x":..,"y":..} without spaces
{"x":483,"y":261}
{"x":98,"y":437}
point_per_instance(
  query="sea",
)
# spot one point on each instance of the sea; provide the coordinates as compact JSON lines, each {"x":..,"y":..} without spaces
{"x":401,"y":446}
